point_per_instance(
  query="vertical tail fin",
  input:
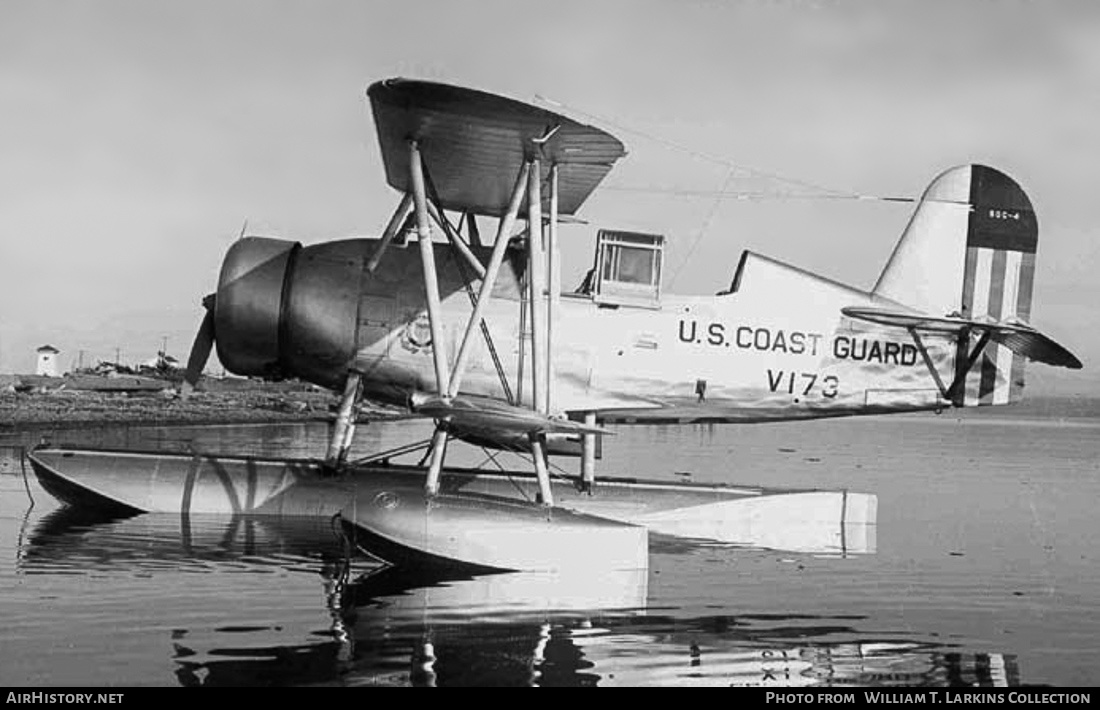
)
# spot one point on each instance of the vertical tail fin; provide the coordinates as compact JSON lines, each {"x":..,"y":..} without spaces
{"x":969,"y":250}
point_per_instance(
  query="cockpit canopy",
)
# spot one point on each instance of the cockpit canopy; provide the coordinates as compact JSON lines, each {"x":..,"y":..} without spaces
{"x":628,"y":268}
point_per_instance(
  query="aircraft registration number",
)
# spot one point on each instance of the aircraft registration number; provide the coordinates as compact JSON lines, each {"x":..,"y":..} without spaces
{"x":803,"y":383}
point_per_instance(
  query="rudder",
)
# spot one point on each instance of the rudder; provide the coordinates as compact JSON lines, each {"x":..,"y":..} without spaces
{"x":969,"y":251}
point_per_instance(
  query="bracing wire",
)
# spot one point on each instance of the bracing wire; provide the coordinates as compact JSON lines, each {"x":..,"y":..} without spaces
{"x":757,"y":195}
{"x":690,"y":151}
{"x":702,"y":229}
{"x":733,"y":169}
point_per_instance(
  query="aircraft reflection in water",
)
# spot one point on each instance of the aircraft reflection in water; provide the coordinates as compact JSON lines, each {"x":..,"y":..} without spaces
{"x":395,"y":626}
{"x":454,"y":640}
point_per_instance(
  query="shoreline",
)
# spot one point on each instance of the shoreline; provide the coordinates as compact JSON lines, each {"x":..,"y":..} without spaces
{"x":30,"y":412}
{"x":272,"y":403}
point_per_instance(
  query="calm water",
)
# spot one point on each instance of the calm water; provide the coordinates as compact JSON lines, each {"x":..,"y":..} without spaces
{"x":986,"y":571}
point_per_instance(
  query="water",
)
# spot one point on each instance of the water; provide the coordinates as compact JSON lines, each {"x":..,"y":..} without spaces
{"x":985,"y":573}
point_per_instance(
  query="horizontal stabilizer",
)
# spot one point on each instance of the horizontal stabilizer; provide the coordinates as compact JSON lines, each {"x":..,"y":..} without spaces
{"x":471,"y":412}
{"x":1018,"y":337}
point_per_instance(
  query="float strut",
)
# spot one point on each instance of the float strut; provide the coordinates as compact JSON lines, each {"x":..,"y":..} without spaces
{"x":343,"y":429}
{"x":542,"y":470}
{"x":435,"y":313}
{"x":437,"y":452}
{"x":588,"y":454}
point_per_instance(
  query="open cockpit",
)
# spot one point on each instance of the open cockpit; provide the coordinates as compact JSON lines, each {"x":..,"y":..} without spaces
{"x":627,"y":270}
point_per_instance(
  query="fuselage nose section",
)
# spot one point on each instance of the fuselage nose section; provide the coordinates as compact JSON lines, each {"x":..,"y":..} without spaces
{"x":287,"y":310}
{"x":249,"y":304}
{"x":322,"y":301}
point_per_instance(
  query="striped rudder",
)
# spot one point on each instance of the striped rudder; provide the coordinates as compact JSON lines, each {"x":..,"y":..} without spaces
{"x":1002,"y":236}
{"x":969,"y":251}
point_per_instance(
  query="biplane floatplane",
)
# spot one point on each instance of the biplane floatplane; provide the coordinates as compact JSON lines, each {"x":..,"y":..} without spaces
{"x":481,"y":338}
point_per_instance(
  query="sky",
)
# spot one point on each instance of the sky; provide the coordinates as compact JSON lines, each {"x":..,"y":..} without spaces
{"x":139,"y":137}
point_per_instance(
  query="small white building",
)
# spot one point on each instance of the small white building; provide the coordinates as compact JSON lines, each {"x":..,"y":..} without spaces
{"x":47,"y":361}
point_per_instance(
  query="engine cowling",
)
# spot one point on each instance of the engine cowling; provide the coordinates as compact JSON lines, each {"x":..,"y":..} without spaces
{"x":286,"y":310}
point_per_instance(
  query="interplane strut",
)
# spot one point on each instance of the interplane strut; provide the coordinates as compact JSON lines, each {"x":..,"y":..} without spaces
{"x":448,"y":384}
{"x":424,"y":206}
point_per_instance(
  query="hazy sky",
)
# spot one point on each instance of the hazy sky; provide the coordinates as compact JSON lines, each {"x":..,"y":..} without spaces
{"x":136,"y":137}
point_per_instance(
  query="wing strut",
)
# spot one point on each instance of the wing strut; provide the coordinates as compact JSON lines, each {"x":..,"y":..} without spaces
{"x":540,"y":323}
{"x":542,"y":276}
{"x":536,"y":268}
{"x":456,"y":240}
{"x":435,"y":322}
{"x":427,"y":258}
{"x":553,"y":281}
{"x":490,"y":345}
{"x":449,"y":385}
{"x":487,"y":284}
{"x":391,"y":231}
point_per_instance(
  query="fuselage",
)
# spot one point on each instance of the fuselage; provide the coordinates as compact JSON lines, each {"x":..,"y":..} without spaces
{"x":775,"y":346}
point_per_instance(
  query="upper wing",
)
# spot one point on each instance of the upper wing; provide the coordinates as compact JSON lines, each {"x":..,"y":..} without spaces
{"x":1017,"y":337}
{"x":474,"y":143}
